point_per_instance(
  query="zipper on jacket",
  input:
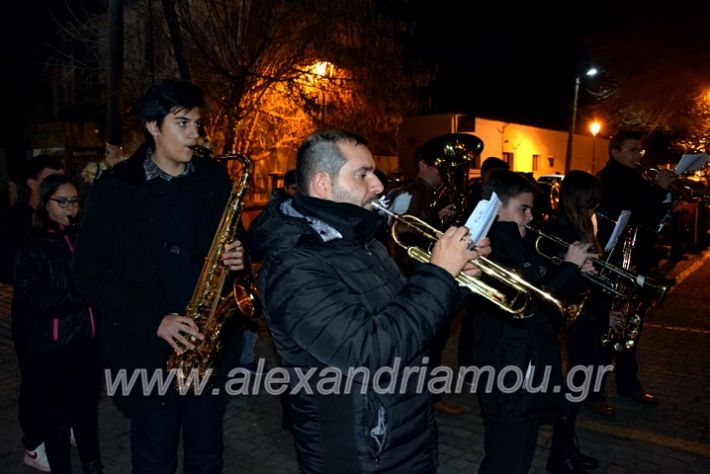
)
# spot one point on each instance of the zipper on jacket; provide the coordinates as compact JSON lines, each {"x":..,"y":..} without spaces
{"x":55,"y":329}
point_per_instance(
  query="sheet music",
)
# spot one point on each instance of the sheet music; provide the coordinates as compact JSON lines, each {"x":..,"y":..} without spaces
{"x":482,"y":217}
{"x":691,"y":162}
{"x":400,"y":205}
{"x":621,"y":223}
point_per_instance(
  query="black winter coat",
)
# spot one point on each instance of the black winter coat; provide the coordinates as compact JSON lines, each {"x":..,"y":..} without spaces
{"x":595,"y":313}
{"x":48,"y":312}
{"x":506,"y":343}
{"x":117,"y":264}
{"x":624,"y":188}
{"x":334,"y":298}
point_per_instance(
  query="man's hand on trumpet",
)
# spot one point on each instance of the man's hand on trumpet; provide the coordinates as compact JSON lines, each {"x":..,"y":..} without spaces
{"x":451,"y":252}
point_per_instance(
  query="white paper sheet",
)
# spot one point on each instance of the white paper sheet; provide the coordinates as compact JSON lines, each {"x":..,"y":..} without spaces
{"x":482,"y":218}
{"x":621,"y":224}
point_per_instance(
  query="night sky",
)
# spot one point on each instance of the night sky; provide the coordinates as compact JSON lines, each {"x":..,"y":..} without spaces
{"x":495,"y":59}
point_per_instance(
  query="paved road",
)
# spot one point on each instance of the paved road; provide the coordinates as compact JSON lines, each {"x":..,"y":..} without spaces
{"x":671,"y":437}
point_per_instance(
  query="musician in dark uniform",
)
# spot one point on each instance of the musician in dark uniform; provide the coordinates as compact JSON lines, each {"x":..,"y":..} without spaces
{"x":528,"y":345}
{"x":419,"y":198}
{"x":625,"y":188}
{"x":580,"y":193}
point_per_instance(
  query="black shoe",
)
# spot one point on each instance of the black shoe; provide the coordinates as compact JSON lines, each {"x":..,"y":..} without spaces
{"x":641,"y":396}
{"x":582,"y":460}
{"x":564,"y":466}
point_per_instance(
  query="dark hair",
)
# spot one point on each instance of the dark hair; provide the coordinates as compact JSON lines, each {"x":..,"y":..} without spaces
{"x":508,"y":184}
{"x":492,"y":163}
{"x":50,"y":184}
{"x":580,"y":193}
{"x":167,"y":97}
{"x":37,"y":163}
{"x":320,"y":151}
{"x":617,"y":141}
{"x":289,"y":178}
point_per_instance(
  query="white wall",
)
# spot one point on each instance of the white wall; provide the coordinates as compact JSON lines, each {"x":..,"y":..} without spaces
{"x":523,"y":141}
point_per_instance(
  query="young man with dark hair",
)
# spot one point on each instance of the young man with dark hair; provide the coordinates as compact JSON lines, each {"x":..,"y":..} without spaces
{"x":625,"y":188}
{"x":148,"y":225}
{"x":335,"y":301}
{"x":17,"y":220}
{"x":524,"y":346}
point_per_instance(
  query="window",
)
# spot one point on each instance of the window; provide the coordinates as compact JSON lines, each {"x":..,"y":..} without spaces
{"x":508,"y":158}
{"x":535,"y":162}
{"x":551,"y":161}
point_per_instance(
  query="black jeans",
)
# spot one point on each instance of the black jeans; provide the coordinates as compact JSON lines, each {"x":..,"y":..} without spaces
{"x":436,"y":350}
{"x":509,"y":448}
{"x":585,"y":348}
{"x":155,"y":434}
{"x":59,"y":391}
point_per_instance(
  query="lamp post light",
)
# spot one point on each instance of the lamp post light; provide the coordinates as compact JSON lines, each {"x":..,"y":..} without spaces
{"x":594,"y":127}
{"x":577,"y":81}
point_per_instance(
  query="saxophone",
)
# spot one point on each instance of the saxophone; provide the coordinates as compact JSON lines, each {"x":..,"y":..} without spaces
{"x":211,"y":304}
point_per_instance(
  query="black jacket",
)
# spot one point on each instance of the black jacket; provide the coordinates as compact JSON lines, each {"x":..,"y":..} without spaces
{"x":117,"y":264}
{"x":334,"y":298}
{"x":15,"y":223}
{"x":595,"y":313}
{"x":48,"y":312}
{"x":624,"y":188}
{"x":503,"y":342}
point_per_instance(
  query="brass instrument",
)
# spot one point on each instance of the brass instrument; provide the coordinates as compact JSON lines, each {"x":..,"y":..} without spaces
{"x":523,"y":289}
{"x":452,"y":154}
{"x":601,"y":279}
{"x":211,"y":305}
{"x":623,"y":337}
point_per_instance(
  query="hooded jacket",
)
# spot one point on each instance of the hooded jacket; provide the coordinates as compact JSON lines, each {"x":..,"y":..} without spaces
{"x":334,"y":300}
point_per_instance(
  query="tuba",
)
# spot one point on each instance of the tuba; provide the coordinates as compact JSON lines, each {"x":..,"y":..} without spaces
{"x":211,"y":304}
{"x":452,"y":154}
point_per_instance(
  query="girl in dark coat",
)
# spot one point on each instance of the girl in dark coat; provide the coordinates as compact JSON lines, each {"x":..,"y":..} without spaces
{"x":53,"y":327}
{"x":580,"y":194}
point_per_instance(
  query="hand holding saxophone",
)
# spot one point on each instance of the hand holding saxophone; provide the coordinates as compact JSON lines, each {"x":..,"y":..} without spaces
{"x":233,"y":255}
{"x":173,"y":329}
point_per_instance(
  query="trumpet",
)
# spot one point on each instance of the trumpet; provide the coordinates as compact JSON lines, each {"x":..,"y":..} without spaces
{"x":599,"y":279}
{"x":516,"y":306}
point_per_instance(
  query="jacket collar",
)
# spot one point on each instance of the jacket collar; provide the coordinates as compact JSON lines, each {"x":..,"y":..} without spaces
{"x":331,"y":220}
{"x":132,"y":170}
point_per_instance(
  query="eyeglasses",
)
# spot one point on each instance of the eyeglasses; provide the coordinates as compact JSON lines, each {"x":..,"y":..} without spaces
{"x":634,"y":151}
{"x":65,"y":202}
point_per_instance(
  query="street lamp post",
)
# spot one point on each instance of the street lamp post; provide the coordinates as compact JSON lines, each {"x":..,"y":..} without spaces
{"x":577,"y":82}
{"x":594,"y":127}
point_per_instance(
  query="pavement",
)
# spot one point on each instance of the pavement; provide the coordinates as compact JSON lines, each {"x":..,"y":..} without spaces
{"x":671,"y":437}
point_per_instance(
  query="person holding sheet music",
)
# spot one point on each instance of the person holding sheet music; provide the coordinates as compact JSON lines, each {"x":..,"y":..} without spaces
{"x":522,"y":351}
{"x":625,"y":188}
{"x":579,"y":198}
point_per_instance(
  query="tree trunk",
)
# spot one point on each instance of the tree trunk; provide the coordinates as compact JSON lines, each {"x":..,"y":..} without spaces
{"x":114,"y":134}
{"x":176,"y":39}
